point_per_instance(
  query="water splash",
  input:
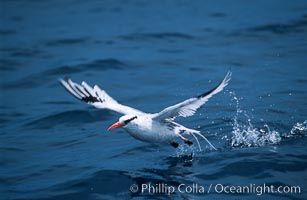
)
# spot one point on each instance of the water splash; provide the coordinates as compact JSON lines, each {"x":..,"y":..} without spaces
{"x":184,"y":150}
{"x":299,"y":129}
{"x":244,"y":134}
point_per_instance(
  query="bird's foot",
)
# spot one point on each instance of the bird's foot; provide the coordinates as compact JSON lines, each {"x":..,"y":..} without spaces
{"x":174,"y":144}
{"x":188,"y":142}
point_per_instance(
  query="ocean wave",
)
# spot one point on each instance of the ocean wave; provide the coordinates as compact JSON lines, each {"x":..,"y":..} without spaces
{"x":5,"y":32}
{"x":218,"y":15}
{"x":157,"y":36}
{"x":100,"y":64}
{"x":295,"y":26}
{"x":8,"y":64}
{"x":66,"y":143}
{"x":67,"y":41}
{"x":96,"y":182}
{"x":70,"y":118}
{"x":26,"y":53}
{"x":53,"y":74}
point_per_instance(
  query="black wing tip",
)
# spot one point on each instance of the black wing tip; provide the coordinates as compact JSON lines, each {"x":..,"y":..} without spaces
{"x":226,"y":80}
{"x":88,"y":98}
{"x":206,"y":93}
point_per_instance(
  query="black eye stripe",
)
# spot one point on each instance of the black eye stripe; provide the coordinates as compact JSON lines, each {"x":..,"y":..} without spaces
{"x":129,"y":120}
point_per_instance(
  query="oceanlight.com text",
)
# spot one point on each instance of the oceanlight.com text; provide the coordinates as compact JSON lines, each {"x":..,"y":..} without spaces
{"x":163,"y":188}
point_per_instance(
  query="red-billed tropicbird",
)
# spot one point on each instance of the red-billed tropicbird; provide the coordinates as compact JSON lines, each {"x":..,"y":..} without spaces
{"x":154,"y":128}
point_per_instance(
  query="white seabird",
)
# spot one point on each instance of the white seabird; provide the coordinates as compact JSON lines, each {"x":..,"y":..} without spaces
{"x":154,"y":128}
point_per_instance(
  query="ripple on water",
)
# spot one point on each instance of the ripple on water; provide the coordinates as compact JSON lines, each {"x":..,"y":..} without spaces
{"x":157,"y":36}
{"x":95,"y":186}
{"x":38,"y":79}
{"x":100,"y":64}
{"x":67,"y":41}
{"x":72,"y":118}
{"x":296,"y":26}
{"x":8,"y":64}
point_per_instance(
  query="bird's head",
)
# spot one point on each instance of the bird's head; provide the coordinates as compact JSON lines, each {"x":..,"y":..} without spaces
{"x":123,"y":121}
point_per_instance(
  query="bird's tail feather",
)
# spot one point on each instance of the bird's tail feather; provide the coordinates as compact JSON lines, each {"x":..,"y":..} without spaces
{"x":194,"y":132}
{"x":202,"y":136}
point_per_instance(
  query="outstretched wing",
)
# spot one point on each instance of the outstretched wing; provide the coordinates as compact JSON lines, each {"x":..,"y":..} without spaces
{"x":96,"y":97}
{"x":188,"y":107}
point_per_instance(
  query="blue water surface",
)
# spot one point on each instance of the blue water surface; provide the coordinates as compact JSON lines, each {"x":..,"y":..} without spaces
{"x":150,"y":55}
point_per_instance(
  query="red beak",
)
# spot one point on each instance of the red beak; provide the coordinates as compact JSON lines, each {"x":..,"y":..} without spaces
{"x":115,"y":125}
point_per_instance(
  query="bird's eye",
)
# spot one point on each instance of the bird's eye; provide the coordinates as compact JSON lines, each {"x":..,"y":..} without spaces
{"x":129,"y":120}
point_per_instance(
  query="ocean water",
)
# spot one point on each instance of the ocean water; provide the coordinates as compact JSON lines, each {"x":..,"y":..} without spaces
{"x":150,"y":55}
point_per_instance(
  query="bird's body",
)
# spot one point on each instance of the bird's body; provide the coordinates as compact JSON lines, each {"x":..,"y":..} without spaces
{"x":145,"y":129}
{"x":154,"y":128}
